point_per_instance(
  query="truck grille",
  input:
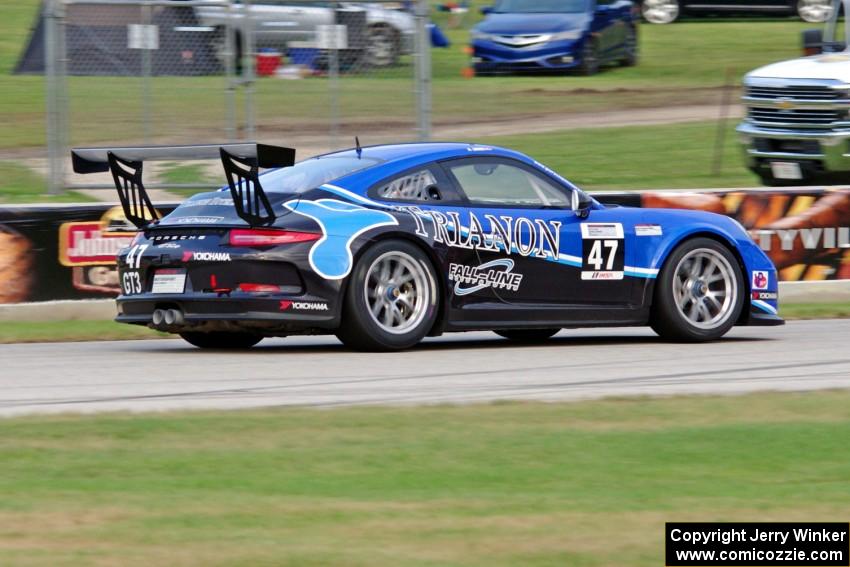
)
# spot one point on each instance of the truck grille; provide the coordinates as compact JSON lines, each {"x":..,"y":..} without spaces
{"x":806,"y":147}
{"x":820,"y":117}
{"x":805,"y":93}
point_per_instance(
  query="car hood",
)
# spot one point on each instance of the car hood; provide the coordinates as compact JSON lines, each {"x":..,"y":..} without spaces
{"x":521,"y":24}
{"x":825,"y":66}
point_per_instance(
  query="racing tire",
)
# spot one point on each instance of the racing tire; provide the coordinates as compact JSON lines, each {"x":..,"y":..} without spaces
{"x":527,"y":335}
{"x":589,"y":58}
{"x":699,"y":293}
{"x":383,"y":47}
{"x":814,"y":11}
{"x":392,"y":298}
{"x":630,"y":51}
{"x":222,"y":340}
{"x":660,"y":11}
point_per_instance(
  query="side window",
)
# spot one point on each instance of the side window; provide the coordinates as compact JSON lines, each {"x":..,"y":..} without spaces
{"x":492,"y":182}
{"x":411,"y":187}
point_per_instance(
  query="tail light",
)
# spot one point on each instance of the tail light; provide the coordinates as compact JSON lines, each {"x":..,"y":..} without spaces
{"x":268,"y":237}
{"x":258,"y":288}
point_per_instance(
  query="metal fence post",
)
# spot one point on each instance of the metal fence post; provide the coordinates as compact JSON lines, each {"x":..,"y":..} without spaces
{"x":147,"y":107}
{"x":230,"y":72}
{"x":54,"y":62}
{"x":423,"y":70}
{"x":248,"y":49}
{"x":333,"y":80}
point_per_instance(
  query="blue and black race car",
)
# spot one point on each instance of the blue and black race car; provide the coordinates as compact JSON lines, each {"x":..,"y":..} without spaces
{"x":555,"y":35}
{"x":385,"y":245}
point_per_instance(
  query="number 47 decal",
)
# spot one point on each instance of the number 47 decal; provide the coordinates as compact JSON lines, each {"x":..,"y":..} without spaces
{"x":595,"y":256}
{"x":603,"y":255}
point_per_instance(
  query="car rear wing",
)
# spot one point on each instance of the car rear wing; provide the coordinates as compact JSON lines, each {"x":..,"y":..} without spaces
{"x":241,"y":166}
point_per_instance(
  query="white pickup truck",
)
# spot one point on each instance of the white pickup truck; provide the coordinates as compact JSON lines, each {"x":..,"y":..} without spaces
{"x":797,"y":128}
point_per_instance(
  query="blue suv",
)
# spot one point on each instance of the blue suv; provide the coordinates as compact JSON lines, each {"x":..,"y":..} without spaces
{"x":520,"y":35}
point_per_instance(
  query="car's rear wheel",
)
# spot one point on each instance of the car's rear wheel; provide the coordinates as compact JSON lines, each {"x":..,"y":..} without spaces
{"x":392,"y":298}
{"x":589,"y":58}
{"x":699,"y":292}
{"x":222,"y":340}
{"x":383,"y":48}
{"x":814,"y":11}
{"x":660,"y":11}
{"x":526,"y":335}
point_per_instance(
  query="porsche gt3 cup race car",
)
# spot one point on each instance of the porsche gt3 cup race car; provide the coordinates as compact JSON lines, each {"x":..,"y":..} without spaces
{"x":385,"y":245}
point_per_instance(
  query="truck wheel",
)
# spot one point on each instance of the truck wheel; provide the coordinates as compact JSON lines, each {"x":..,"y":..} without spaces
{"x":660,"y":11}
{"x":699,"y":292}
{"x":630,"y":50}
{"x":392,"y":298}
{"x":589,"y":58}
{"x":222,"y":340}
{"x":814,"y":11}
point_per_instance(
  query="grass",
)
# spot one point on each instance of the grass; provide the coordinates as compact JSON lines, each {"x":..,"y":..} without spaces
{"x":579,"y":484}
{"x":638,"y":157}
{"x":19,"y":184}
{"x":61,"y":331}
{"x":815,"y":310}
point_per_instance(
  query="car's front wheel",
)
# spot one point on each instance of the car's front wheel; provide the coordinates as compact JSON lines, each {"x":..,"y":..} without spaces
{"x":222,"y":340}
{"x":660,"y":11}
{"x":392,"y":298}
{"x":526,"y":335}
{"x":589,"y":58}
{"x":699,"y":292}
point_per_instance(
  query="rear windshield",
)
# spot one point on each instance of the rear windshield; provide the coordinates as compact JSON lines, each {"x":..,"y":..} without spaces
{"x":313,"y":172}
{"x":539,"y":6}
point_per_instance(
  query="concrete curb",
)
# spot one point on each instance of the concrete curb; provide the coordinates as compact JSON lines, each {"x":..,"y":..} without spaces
{"x":104,"y":309}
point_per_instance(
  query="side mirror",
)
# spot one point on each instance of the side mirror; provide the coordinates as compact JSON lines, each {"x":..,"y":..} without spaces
{"x":580,"y":203}
{"x":812,"y":42}
{"x":486,"y":10}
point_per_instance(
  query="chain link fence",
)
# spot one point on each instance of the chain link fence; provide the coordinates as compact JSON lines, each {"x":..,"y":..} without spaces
{"x":308,"y":74}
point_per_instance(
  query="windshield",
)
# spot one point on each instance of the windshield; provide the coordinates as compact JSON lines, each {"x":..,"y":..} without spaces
{"x":313,"y":172}
{"x":539,"y":6}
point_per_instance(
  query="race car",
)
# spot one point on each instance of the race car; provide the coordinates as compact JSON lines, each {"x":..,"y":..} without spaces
{"x":385,"y":245}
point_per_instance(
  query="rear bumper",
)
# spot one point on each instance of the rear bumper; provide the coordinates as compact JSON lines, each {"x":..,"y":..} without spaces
{"x":271,"y":314}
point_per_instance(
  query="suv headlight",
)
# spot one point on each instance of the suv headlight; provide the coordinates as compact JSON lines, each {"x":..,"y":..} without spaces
{"x":480,"y":35}
{"x":572,"y":34}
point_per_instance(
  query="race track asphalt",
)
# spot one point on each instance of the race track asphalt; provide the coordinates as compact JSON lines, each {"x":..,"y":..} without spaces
{"x":157,"y":375}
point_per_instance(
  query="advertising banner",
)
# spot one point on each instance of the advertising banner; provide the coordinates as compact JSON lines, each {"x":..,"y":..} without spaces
{"x":61,"y":252}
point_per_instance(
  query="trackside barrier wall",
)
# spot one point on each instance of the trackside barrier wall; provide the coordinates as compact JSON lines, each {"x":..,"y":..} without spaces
{"x":57,"y":252}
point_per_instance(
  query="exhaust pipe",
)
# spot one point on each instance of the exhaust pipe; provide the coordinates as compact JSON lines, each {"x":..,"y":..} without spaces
{"x":164,"y":318}
{"x":158,"y":317}
{"x":173,"y":317}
